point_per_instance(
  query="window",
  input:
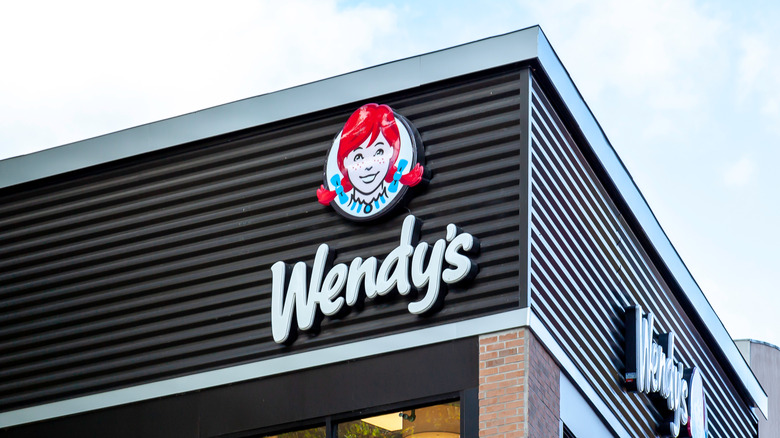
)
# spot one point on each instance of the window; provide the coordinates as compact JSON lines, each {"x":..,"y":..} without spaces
{"x":434,"y":421}
{"x":316,"y":432}
{"x":438,"y":421}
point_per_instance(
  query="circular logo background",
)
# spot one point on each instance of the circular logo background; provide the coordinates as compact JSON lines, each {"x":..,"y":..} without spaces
{"x":371,"y":196}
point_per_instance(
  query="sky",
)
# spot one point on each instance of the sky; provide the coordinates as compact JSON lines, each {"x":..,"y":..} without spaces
{"x":687,"y":92}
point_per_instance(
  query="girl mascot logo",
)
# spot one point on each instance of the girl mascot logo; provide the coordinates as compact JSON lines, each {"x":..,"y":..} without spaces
{"x":372,"y":163}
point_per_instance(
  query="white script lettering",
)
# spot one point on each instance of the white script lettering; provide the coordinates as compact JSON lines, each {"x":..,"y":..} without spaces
{"x":447,"y":263}
{"x":651,"y":369}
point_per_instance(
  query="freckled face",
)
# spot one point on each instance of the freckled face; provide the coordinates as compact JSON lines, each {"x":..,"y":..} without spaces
{"x":368,"y":164}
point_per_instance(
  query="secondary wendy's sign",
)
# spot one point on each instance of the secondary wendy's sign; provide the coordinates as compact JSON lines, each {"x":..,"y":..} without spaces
{"x":652,"y":369}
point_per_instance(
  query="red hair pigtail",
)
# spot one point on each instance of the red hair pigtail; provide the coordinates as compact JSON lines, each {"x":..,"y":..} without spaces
{"x":325,"y":196}
{"x":413,"y":177}
{"x":346,"y":185}
{"x":391,"y":173}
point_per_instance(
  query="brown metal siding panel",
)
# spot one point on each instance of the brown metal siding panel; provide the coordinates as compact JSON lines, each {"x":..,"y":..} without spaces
{"x":159,"y":265}
{"x":587,"y":267}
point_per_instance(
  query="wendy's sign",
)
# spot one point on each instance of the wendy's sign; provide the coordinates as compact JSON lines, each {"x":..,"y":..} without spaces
{"x":299,"y":297}
{"x":651,"y":368}
{"x":372,"y":163}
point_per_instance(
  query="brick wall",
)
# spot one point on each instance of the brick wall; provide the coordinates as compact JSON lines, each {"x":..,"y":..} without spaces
{"x":519,"y":389}
{"x":544,"y":391}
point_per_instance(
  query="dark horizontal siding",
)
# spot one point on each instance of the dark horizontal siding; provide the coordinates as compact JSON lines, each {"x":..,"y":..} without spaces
{"x":159,"y":266}
{"x":587,"y":267}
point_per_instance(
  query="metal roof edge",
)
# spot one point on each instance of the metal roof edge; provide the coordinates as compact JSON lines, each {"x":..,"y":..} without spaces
{"x":393,"y":76}
{"x":636,"y":202}
{"x":758,"y":342}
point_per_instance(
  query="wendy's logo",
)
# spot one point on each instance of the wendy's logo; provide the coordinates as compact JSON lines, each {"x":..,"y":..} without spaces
{"x":372,"y":163}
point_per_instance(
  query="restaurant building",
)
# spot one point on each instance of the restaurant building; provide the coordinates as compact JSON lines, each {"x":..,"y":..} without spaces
{"x":446,"y":245}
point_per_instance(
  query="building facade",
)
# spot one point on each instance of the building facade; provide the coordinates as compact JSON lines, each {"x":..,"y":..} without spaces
{"x":764,"y":360}
{"x":468,"y":258}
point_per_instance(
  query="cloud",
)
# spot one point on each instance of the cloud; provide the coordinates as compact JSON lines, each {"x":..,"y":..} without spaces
{"x":754,"y":58}
{"x":656,"y":50}
{"x":758,"y":64}
{"x":740,"y":174}
{"x":78,"y":69}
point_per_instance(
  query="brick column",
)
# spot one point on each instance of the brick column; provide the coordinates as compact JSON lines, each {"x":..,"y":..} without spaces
{"x":502,"y":384}
{"x":544,"y":391}
{"x":519,"y":387}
